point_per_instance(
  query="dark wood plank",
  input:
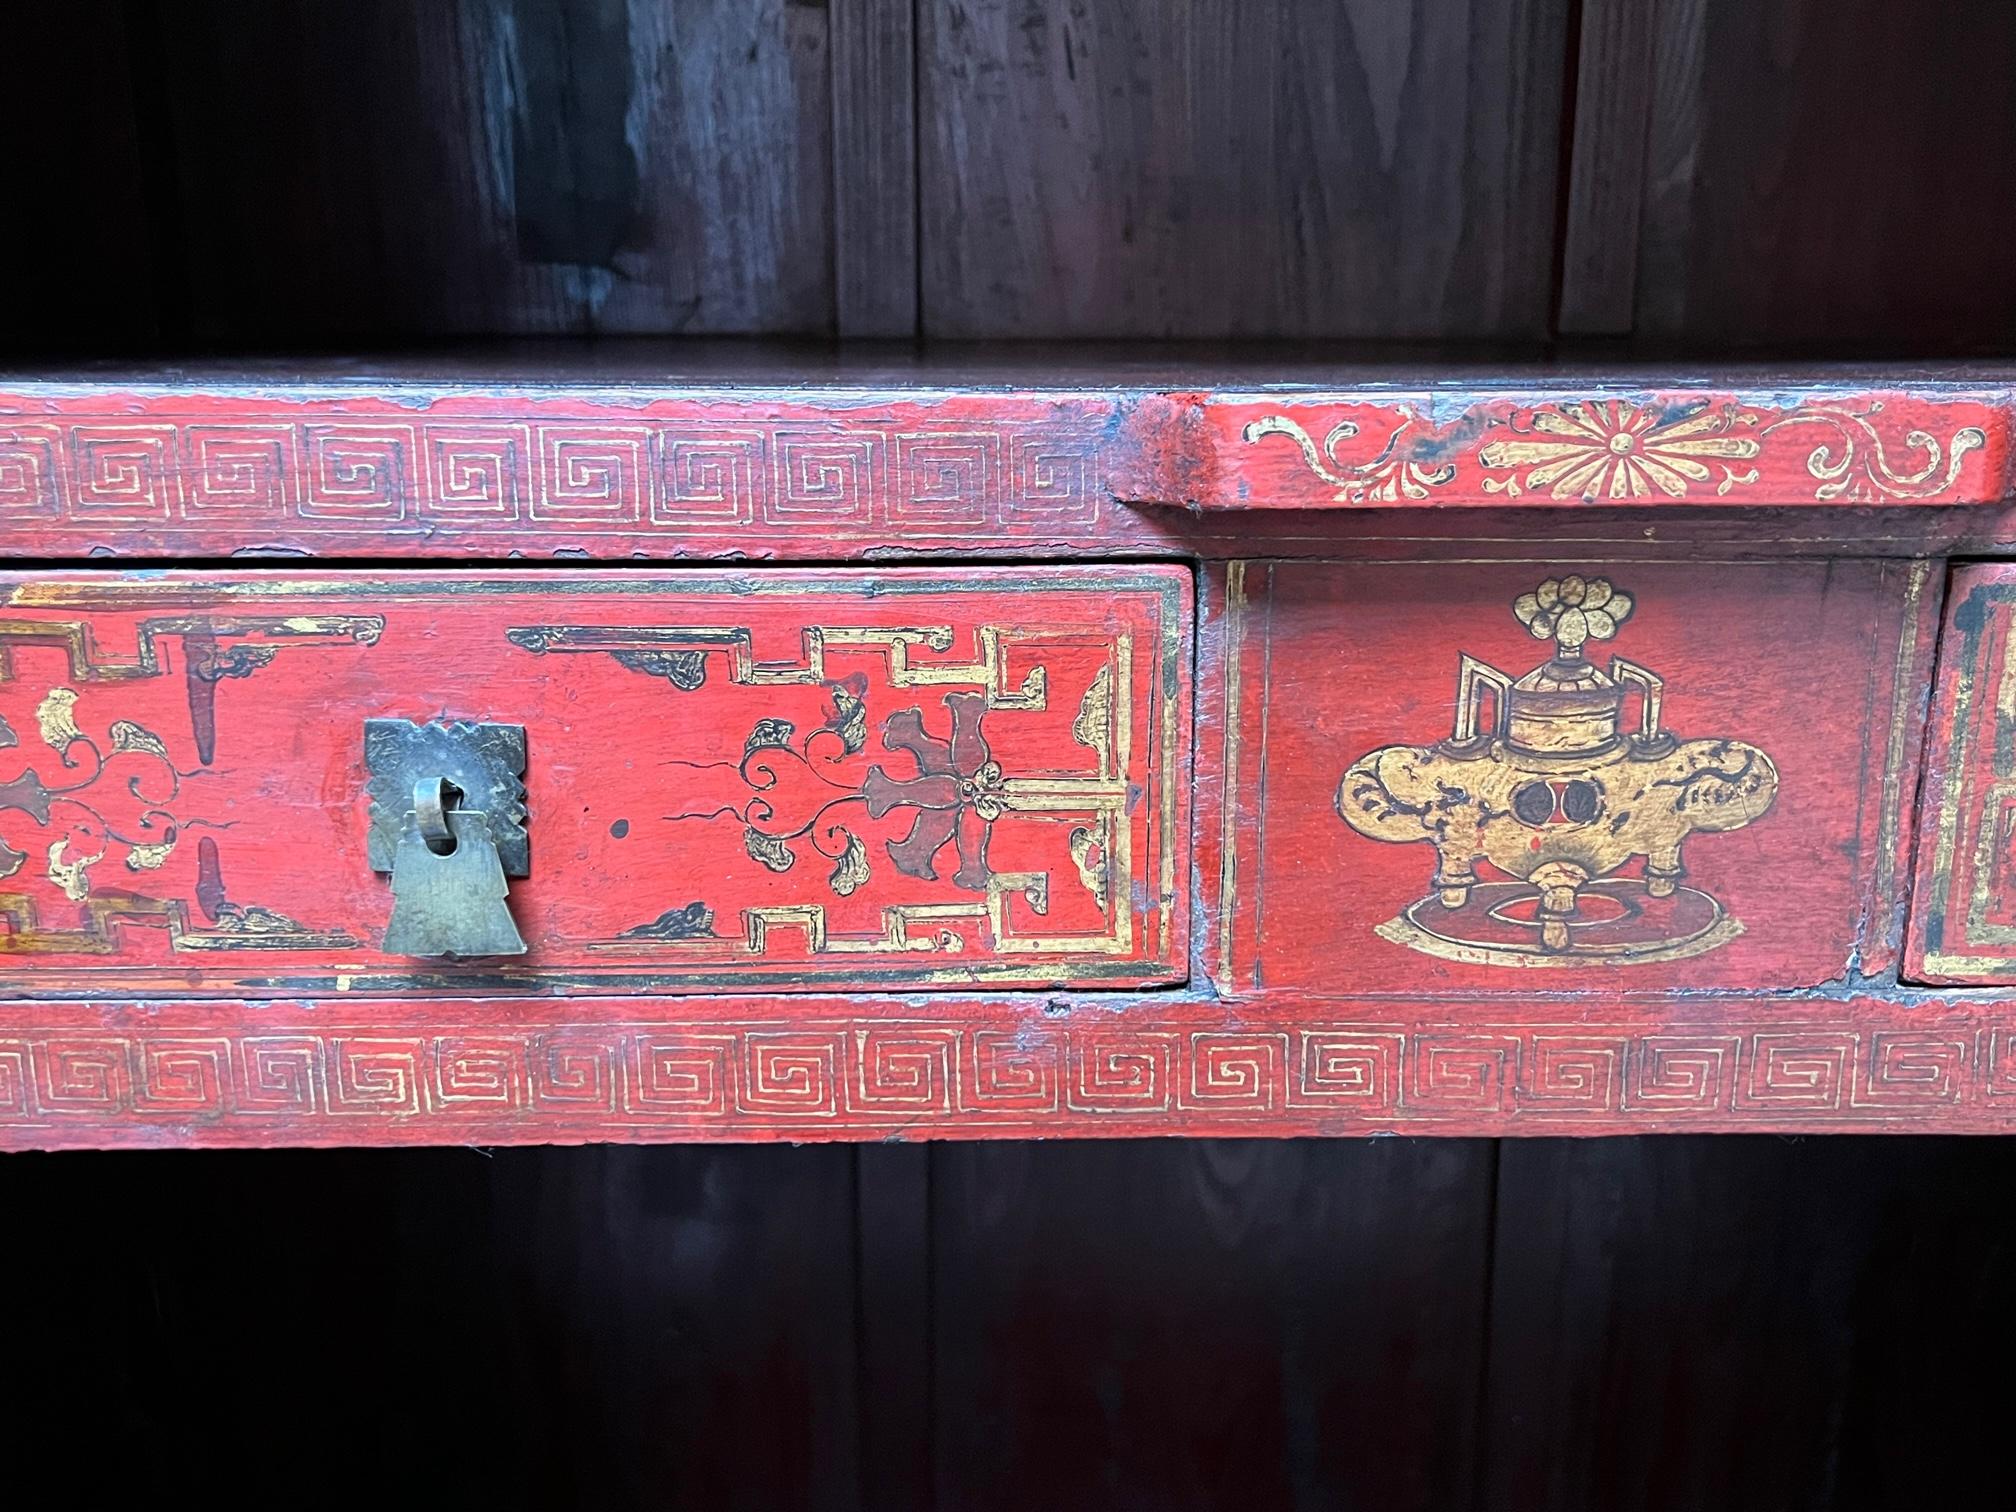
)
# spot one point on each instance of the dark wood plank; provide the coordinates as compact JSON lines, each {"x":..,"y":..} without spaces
{"x":321,"y":1324}
{"x":1213,"y":1324}
{"x":1239,"y":167}
{"x":77,"y":260}
{"x":386,"y":170}
{"x":548,"y":1329}
{"x":1746,"y":1323}
{"x":1604,"y":195}
{"x":874,"y":167}
{"x":690,"y":1321}
{"x":1821,"y":171}
{"x":894,"y":1266}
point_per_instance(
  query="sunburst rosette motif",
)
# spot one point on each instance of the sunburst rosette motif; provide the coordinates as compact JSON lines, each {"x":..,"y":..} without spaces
{"x":1614,"y":449}
{"x":1573,"y":610}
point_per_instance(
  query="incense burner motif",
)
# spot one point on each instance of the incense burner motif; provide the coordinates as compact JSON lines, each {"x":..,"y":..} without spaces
{"x":1557,"y":830}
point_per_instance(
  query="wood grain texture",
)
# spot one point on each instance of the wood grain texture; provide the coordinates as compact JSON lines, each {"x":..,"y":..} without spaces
{"x":719,"y":1363}
{"x":896,"y":1263}
{"x":1261,"y":1325}
{"x":1782,"y":208}
{"x":501,"y":166}
{"x":1605,"y":190}
{"x":1672,"y":1324}
{"x":1678,"y":1324}
{"x":874,"y":60}
{"x":1229,"y":168}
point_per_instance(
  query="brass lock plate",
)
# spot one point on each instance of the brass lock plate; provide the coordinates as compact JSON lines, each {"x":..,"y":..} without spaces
{"x":484,"y":762}
{"x":448,"y":822}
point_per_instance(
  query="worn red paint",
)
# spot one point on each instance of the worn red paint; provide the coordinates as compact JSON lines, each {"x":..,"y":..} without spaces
{"x":1618,"y":446}
{"x":1963,"y":920}
{"x":440,"y":469}
{"x":1277,"y":970}
{"x":1799,"y":661}
{"x":810,"y":779}
{"x":479,"y":1070}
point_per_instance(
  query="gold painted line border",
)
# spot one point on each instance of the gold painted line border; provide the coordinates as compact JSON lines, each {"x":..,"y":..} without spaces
{"x":1260,"y":770}
{"x":868,"y":582}
{"x":1235,"y":645}
{"x":1942,"y":960}
{"x":1902,"y":696}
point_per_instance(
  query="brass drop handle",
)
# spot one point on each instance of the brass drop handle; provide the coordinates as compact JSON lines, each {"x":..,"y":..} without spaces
{"x":448,"y":822}
{"x":433,"y":797}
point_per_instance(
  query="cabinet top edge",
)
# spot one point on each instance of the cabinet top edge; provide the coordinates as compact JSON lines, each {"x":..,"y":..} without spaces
{"x":656,"y":368}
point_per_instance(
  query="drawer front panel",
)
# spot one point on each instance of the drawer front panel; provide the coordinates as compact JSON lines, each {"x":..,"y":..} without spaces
{"x":888,"y":779}
{"x":1587,"y":779}
{"x":1963,"y":915}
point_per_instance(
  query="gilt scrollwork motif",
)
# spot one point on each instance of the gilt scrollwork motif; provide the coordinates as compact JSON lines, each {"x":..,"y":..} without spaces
{"x":806,"y":792}
{"x":1626,"y":450}
{"x":114,"y":797}
{"x":1396,"y":472}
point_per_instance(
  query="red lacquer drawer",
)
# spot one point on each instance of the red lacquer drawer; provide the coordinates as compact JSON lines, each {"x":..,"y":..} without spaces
{"x":818,"y":779}
{"x":1604,"y":779}
{"x":1963,"y":915}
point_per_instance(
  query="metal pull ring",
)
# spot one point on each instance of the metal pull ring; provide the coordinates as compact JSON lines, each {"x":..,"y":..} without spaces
{"x":433,"y":797}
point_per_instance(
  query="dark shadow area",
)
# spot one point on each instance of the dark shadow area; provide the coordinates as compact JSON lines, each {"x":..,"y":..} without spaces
{"x":1728,"y":1323}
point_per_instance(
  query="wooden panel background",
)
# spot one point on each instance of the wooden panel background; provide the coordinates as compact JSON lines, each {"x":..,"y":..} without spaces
{"x":1701,"y":174}
{"x":1239,"y":167}
{"x":1680,"y":1323}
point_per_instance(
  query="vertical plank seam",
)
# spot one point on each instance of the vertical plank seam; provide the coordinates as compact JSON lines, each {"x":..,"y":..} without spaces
{"x":929,"y":1385}
{"x":836,"y":227}
{"x":1564,"y":176}
{"x":1605,"y":166}
{"x":856,"y":29}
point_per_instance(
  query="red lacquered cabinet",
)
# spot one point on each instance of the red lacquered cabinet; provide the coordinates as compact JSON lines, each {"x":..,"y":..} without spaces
{"x":448,"y":755}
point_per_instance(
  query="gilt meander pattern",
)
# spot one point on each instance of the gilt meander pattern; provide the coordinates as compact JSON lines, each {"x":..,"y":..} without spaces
{"x":439,"y":470}
{"x":116,"y":799}
{"x":493,"y":472}
{"x":979,"y":801}
{"x":335,"y":1069}
{"x":485,"y":1071}
{"x":790,"y":796}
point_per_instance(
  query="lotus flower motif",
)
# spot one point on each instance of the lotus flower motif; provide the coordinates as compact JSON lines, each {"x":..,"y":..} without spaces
{"x":1572,"y":610}
{"x":957,"y":793}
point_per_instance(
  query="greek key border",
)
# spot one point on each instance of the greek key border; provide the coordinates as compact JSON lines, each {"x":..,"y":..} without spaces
{"x":1089,"y":1073}
{"x":513,"y":474}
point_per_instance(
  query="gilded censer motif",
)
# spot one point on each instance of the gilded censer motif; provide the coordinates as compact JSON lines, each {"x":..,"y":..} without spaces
{"x":1557,"y":797}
